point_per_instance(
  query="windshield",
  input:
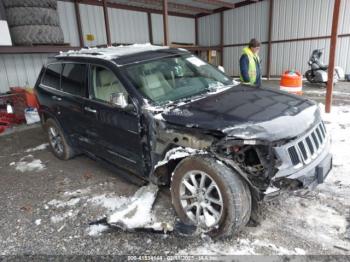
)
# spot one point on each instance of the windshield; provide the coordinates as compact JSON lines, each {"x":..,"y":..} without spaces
{"x":176,"y":78}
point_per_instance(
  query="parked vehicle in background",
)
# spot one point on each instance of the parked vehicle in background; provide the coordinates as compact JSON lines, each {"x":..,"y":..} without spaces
{"x":168,"y":117}
{"x":319,"y":71}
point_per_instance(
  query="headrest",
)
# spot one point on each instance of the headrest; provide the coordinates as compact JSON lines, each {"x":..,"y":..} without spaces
{"x":106,"y":77}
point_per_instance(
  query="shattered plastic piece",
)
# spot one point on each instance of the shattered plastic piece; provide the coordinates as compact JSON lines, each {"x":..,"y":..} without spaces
{"x":271,"y":189}
{"x":137,"y":212}
{"x":161,"y":226}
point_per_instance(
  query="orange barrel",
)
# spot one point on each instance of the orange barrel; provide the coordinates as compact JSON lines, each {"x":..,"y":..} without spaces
{"x":292,"y":82}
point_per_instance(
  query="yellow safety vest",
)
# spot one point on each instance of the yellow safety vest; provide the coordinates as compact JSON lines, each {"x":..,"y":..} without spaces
{"x":252,"y":65}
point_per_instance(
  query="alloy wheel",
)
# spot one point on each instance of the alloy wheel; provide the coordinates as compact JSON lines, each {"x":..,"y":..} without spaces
{"x":55,"y":140}
{"x":201,"y":199}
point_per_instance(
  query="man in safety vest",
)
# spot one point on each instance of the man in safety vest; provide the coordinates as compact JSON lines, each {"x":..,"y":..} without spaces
{"x":250,"y":64}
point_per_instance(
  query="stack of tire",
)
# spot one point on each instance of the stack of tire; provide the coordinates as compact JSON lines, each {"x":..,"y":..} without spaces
{"x":33,"y":22}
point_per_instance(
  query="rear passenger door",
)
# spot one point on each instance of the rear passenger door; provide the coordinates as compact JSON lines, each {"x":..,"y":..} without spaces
{"x":49,"y":89}
{"x":115,"y":130}
{"x":74,"y":90}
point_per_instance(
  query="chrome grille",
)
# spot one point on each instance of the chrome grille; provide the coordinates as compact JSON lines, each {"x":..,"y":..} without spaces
{"x":308,"y":147}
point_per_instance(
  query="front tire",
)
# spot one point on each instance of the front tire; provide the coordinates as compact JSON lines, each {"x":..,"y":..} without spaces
{"x":210,"y":195}
{"x":58,"y":141}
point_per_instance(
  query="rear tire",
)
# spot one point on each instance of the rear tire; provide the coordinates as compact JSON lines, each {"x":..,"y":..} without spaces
{"x":228,"y":189}
{"x":309,"y":77}
{"x":58,"y":141}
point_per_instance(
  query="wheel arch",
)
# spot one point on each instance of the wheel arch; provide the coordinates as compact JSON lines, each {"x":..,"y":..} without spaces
{"x":45,"y":115}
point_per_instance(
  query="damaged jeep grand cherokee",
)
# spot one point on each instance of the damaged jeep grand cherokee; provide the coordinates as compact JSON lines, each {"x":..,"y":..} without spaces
{"x":168,"y":117}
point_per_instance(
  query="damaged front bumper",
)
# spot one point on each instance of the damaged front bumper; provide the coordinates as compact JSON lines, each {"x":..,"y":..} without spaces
{"x":305,"y":162}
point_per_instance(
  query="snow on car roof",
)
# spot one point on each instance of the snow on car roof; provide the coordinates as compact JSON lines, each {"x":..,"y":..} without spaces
{"x":111,"y":52}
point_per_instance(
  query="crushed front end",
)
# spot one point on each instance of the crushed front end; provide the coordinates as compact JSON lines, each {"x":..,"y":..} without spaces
{"x":284,"y":164}
{"x":306,"y":159}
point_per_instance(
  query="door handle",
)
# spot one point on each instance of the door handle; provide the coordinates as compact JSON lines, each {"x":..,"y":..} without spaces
{"x":57,"y":98}
{"x":89,"y":109}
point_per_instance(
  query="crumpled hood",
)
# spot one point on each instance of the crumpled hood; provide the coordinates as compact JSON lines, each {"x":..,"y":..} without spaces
{"x":248,"y":113}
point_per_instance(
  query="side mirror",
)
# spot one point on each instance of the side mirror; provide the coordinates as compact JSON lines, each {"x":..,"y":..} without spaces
{"x":120,"y":100}
{"x":221,"y":68}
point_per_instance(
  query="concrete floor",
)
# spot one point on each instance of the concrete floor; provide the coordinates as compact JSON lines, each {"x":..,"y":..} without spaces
{"x":26,"y":197}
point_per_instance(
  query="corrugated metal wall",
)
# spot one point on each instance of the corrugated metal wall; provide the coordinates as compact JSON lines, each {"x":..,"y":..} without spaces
{"x":20,"y":69}
{"x":302,"y":18}
{"x":343,"y":54}
{"x":209,"y":30}
{"x":245,"y":23}
{"x":181,"y":29}
{"x":92,"y":20}
{"x":66,"y":12}
{"x":299,"y":19}
{"x":128,"y":26}
{"x":344,"y":25}
{"x":343,"y":50}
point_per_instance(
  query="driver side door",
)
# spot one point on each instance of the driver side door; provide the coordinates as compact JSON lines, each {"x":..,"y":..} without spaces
{"x":115,"y":131}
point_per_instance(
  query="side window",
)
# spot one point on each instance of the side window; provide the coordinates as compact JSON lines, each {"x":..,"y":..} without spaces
{"x":52,"y":76}
{"x":105,"y":85}
{"x":73,"y":79}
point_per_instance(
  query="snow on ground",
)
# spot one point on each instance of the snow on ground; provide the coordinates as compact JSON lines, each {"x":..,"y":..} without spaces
{"x":109,"y":202}
{"x":338,"y":125}
{"x":28,"y":164}
{"x":242,"y":247}
{"x":96,"y":230}
{"x":39,"y":147}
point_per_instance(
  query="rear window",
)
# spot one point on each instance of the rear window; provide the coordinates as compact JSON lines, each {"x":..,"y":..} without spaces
{"x":73,"y":79}
{"x":52,"y":76}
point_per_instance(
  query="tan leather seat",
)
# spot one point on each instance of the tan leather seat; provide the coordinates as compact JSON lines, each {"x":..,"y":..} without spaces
{"x":106,"y":85}
{"x":154,"y":85}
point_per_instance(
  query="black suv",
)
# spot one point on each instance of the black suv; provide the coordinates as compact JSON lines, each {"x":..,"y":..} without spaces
{"x":168,"y":117}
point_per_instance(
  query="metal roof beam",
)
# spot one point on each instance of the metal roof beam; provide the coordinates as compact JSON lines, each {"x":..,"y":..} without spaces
{"x":217,"y":3}
{"x":174,"y":6}
{"x":236,"y":5}
{"x":133,"y":8}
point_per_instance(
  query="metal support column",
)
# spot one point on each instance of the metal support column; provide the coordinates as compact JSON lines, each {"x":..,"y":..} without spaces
{"x":108,"y":31}
{"x":150,"y":29}
{"x":222,"y":37}
{"x":333,"y":46}
{"x":165,"y":22}
{"x":269,"y":45}
{"x":77,"y":16}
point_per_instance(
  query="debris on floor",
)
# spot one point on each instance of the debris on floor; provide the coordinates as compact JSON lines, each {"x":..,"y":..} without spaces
{"x":28,"y":164}
{"x":135,"y":214}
